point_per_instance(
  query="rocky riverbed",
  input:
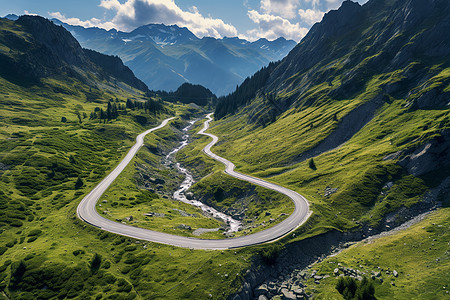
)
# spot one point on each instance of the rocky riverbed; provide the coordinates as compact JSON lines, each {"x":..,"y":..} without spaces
{"x":181,"y":193}
{"x":287,"y":277}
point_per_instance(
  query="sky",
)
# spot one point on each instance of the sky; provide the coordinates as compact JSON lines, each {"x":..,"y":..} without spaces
{"x":248,"y":19}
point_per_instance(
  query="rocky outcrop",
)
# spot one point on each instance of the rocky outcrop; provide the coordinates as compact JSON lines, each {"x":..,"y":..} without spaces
{"x":347,"y":127}
{"x":431,"y":156}
{"x":292,"y":268}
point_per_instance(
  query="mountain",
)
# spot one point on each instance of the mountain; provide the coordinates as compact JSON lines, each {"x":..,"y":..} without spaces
{"x":11,"y":17}
{"x":49,"y":50}
{"x":164,"y":57}
{"x":355,"y":43}
{"x":357,"y":116}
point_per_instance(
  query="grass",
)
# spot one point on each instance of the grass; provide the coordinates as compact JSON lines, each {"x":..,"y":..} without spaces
{"x":419,"y":254}
{"x":357,"y":169}
{"x":45,"y":251}
{"x":256,"y":207}
{"x":127,"y":197}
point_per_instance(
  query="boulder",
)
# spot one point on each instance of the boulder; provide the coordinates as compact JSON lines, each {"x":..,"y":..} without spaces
{"x":395,"y":273}
{"x":288,"y":295}
{"x":261,"y":290}
{"x":184,"y":226}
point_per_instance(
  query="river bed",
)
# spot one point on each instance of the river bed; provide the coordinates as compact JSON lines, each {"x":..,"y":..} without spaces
{"x":232,"y":224}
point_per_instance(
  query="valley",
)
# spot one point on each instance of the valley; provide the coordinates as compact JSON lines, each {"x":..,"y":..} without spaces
{"x":330,"y":162}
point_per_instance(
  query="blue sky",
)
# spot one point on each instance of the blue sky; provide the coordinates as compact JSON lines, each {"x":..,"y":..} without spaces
{"x":250,"y":19}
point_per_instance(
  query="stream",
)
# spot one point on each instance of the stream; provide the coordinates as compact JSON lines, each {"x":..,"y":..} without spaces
{"x":169,"y":160}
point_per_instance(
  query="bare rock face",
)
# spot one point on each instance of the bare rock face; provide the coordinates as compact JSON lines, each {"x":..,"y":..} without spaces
{"x":428,"y":157}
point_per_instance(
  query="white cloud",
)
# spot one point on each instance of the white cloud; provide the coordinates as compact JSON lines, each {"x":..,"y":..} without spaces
{"x":135,"y":13}
{"x":314,"y":3}
{"x":310,"y":16}
{"x":26,"y":12}
{"x":283,"y":8}
{"x":272,"y":27}
{"x":94,"y":22}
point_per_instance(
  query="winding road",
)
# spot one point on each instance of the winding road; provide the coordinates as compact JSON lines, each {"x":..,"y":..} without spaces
{"x":87,"y":212}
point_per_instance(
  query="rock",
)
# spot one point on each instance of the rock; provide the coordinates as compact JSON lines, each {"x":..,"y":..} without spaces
{"x":268,"y":213}
{"x":377,"y":274}
{"x":184,"y":226}
{"x":317,"y":277}
{"x":298,"y":291}
{"x":395,"y":273}
{"x":329,"y":191}
{"x":288,"y":295}
{"x":153,"y":214}
{"x":105,"y":201}
{"x":336,"y":271}
{"x":261,"y":290}
{"x":262,"y":297}
{"x":189,"y":196}
{"x":129,"y":219}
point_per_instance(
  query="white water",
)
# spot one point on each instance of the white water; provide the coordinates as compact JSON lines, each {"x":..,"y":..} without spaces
{"x":179,"y":194}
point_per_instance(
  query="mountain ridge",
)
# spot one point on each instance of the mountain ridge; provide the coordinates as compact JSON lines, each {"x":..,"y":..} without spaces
{"x":390,"y":41}
{"x":164,"y":57}
{"x":48,"y":50}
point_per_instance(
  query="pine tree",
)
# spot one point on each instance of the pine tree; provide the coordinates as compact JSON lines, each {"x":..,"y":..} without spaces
{"x":79,"y":183}
{"x":312,"y":164}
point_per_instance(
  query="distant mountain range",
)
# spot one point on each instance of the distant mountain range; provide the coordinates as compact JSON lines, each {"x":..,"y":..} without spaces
{"x":164,"y":57}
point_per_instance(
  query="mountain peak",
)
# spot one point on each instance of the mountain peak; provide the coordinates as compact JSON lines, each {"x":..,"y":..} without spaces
{"x":162,"y":34}
{"x":11,"y":17}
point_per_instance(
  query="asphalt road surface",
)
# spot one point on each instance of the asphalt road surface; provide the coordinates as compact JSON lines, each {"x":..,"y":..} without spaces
{"x":87,"y":208}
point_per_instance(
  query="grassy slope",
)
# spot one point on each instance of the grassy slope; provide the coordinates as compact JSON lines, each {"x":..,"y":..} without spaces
{"x":419,"y":254}
{"x":260,"y":208}
{"x":124,"y":199}
{"x":42,"y":159}
{"x":356,"y":169}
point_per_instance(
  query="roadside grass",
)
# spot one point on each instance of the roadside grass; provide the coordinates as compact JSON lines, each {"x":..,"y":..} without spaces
{"x":45,"y":251}
{"x":153,"y":208}
{"x":257,"y":208}
{"x":420,"y":255}
{"x":356,"y":169}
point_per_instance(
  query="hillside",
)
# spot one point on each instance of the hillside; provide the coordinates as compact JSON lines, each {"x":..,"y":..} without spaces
{"x":356,"y":116}
{"x":188,"y":93}
{"x":46,"y":51}
{"x":165,"y":57}
{"x":62,"y":130}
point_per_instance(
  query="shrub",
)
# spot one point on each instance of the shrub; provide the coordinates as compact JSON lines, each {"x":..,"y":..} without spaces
{"x":350,"y":288}
{"x":78,"y":252}
{"x":311,"y":164}
{"x":35,"y":232}
{"x":96,"y":262}
{"x":32,"y":239}
{"x":270,"y":254}
{"x":79,"y":183}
